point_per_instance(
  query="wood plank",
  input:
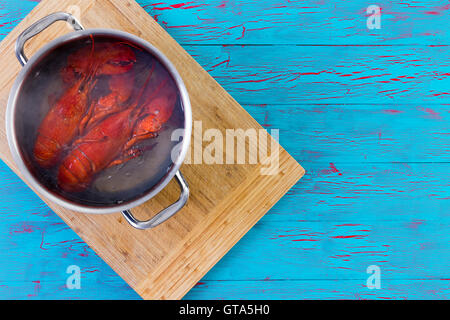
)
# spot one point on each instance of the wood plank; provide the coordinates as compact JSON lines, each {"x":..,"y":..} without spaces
{"x":362,"y":133}
{"x":181,"y":251}
{"x":323,"y":289}
{"x":325,"y":194}
{"x":344,"y":191}
{"x":405,"y":248}
{"x":300,"y":22}
{"x":331,"y":75}
{"x":291,"y":22}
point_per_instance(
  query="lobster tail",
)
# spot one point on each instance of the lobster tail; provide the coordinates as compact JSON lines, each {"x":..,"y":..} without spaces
{"x":45,"y":150}
{"x":75,"y":171}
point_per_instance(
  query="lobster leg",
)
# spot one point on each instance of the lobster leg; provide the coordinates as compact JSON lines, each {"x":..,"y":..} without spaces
{"x":145,"y":129}
{"x":126,"y":156}
{"x":142,"y":133}
{"x":86,"y":118}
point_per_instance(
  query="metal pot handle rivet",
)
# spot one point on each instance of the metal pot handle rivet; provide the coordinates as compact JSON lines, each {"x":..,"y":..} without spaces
{"x":40,"y":26}
{"x":165,"y":213}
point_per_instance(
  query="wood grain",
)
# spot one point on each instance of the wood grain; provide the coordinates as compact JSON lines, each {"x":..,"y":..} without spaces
{"x":166,"y":262}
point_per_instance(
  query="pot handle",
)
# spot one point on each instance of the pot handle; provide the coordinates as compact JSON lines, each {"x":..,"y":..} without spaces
{"x":165,"y":213}
{"x":40,"y":26}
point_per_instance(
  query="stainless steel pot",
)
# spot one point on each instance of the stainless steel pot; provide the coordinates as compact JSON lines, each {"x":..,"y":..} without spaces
{"x":12,"y":118}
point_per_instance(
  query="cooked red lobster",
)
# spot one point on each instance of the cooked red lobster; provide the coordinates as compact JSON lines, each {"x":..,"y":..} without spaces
{"x":112,"y":140}
{"x":62,"y":123}
{"x":83,"y":136}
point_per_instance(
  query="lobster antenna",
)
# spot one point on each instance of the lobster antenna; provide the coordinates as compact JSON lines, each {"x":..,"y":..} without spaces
{"x":131,"y":45}
{"x":141,"y":92}
{"x":92,"y":67}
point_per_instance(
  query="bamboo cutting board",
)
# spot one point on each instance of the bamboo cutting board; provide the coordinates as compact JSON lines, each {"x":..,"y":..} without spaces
{"x":225,"y":201}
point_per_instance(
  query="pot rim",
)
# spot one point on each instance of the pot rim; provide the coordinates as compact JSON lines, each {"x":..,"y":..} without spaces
{"x":12,"y":138}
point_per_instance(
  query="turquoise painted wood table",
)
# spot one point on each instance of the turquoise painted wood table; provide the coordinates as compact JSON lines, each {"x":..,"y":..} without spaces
{"x":361,"y":97}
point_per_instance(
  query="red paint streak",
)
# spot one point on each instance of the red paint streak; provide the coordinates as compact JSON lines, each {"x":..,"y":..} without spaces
{"x":243,"y":33}
{"x":42,"y":242}
{"x":348,"y":225}
{"x":373,"y":76}
{"x":358,"y":236}
{"x":182,"y":26}
{"x":433,"y":114}
{"x":415,"y":224}
{"x":439,"y":94}
{"x":163,"y":8}
{"x":394,"y":93}
{"x":192,"y":7}
{"x":240,"y":25}
{"x":392,"y":111}
{"x":86,"y":254}
{"x":348,"y":197}
{"x":91,"y":271}
{"x":225,"y":61}
{"x":386,"y":91}
{"x":37,"y":288}
{"x":258,"y":29}
{"x":25,"y":228}
{"x":266,"y":120}
{"x":261,"y":80}
{"x":294,"y":235}
{"x":332,"y":169}
{"x":179,"y":5}
{"x":308,"y":73}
